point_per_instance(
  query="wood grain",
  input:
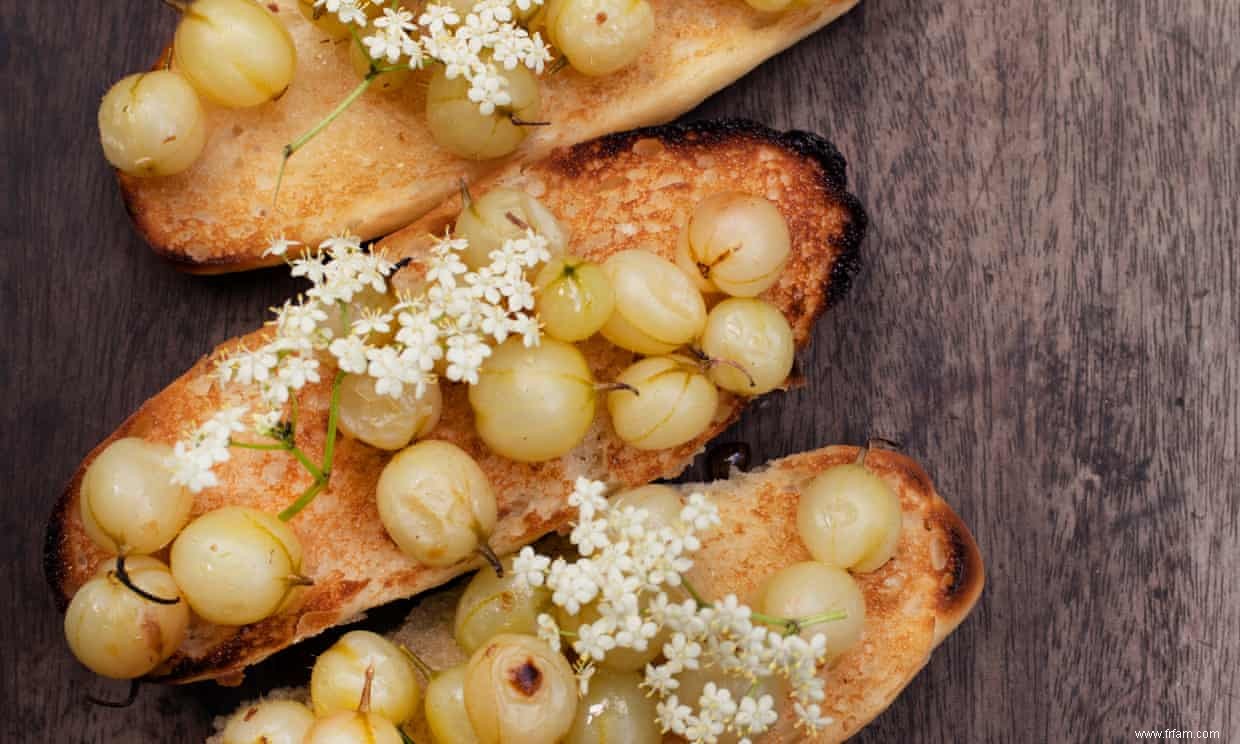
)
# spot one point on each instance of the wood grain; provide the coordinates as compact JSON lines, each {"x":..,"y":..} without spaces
{"x":1049,"y":319}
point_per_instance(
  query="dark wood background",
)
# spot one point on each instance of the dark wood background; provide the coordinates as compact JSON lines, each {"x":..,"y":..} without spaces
{"x":1049,"y":318}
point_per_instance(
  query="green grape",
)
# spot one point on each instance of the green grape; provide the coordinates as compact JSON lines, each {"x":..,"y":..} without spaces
{"x":152,"y":124}
{"x":501,"y":214}
{"x":384,"y":82}
{"x":574,"y":298}
{"x":436,"y":503}
{"x":235,"y":52}
{"x":328,"y":22}
{"x":734,"y":243}
{"x":445,"y":708}
{"x":519,"y":691}
{"x":693,"y":683}
{"x":600,"y":37}
{"x":811,"y":588}
{"x":771,"y":6}
{"x":492,"y":605}
{"x":383,"y":421}
{"x":268,"y":722}
{"x":673,"y":403}
{"x":115,"y":632}
{"x":533,"y":403}
{"x":340,"y":672}
{"x":619,"y":659}
{"x":657,"y":307}
{"x":237,"y":565}
{"x":128,"y":500}
{"x":661,"y":502}
{"x":754,"y":335}
{"x":616,"y":709}
{"x":849,"y":517}
{"x":353,"y":727}
{"x":458,"y":126}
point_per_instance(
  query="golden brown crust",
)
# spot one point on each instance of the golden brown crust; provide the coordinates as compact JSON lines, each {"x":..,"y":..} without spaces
{"x":656,"y":176}
{"x":376,"y":169}
{"x":912,"y":602}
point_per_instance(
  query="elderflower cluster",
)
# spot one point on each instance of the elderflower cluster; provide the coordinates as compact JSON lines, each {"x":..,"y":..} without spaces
{"x":457,"y":319}
{"x":194,"y":457}
{"x":475,"y":45}
{"x":626,"y":570}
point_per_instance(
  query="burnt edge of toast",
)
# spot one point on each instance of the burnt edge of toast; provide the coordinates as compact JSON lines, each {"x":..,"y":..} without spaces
{"x":847,"y":261}
{"x":706,"y":132}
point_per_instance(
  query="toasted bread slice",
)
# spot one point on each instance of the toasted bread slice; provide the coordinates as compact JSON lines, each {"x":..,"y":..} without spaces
{"x":376,"y":168}
{"x":623,"y":191}
{"x":912,"y":602}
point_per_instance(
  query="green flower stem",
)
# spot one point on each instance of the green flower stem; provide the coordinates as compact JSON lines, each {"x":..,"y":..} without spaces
{"x":791,"y":625}
{"x":333,"y":419}
{"x":314,"y":131}
{"x":256,"y":446}
{"x":308,"y":464}
{"x":425,"y":669}
{"x":302,"y":501}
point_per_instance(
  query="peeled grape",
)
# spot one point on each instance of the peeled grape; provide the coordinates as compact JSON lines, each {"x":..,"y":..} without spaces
{"x":600,"y":37}
{"x":383,"y":421}
{"x":616,"y":709}
{"x":533,"y":403}
{"x":352,"y":727}
{"x":237,"y":565}
{"x":574,"y":298}
{"x":734,"y":243}
{"x":128,"y":500}
{"x":673,"y":402}
{"x":446,"y":715}
{"x":488,"y":220}
{"x":754,"y":335}
{"x":458,"y":126}
{"x":519,"y":691}
{"x":235,"y":52}
{"x":152,"y":124}
{"x":436,"y":503}
{"x":849,"y":517}
{"x":812,"y":588}
{"x":657,"y":307}
{"x":339,"y":677}
{"x":268,"y":722}
{"x":117,"y":633}
{"x":492,"y":605}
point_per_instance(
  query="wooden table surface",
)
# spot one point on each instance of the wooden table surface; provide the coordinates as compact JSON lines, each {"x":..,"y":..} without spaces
{"x":1048,"y":318}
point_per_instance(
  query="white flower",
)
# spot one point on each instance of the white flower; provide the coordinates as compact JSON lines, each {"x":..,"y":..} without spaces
{"x":350,"y":353}
{"x":391,"y":39}
{"x":530,"y":567}
{"x":593,"y":640}
{"x":194,"y":457}
{"x":754,"y":716}
{"x":372,"y":321}
{"x":266,"y":422}
{"x":280,"y":246}
{"x":681,"y":652}
{"x":811,"y":717}
{"x":296,"y":371}
{"x":673,"y":716}
{"x":661,"y":679}
{"x":549,"y":631}
{"x":348,"y":11}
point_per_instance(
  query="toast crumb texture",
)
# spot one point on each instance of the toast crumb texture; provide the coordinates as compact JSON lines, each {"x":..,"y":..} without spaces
{"x":376,"y":169}
{"x":624,"y":191}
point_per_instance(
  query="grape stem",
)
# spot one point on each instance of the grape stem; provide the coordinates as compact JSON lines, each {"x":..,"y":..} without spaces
{"x":791,"y":626}
{"x":177,"y":5}
{"x":486,"y":552}
{"x":709,"y":361}
{"x":123,"y":576}
{"x":426,"y":670}
{"x":325,"y":122}
{"x":518,"y":121}
{"x":285,"y":435}
{"x":363,"y":706}
{"x":129,"y":699}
